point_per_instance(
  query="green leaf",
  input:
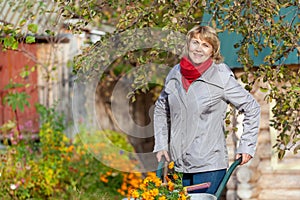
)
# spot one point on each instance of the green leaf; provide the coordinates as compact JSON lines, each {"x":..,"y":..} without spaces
{"x":295,"y":88}
{"x":49,"y":32}
{"x":22,"y":22}
{"x":33,"y":28}
{"x":17,"y":100}
{"x":10,"y":42}
{"x":30,"y":39}
{"x":12,"y":85}
{"x":262,"y":89}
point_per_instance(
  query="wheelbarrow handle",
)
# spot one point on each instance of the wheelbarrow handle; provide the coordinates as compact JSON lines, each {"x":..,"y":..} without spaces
{"x":227,"y":176}
{"x":160,"y":167}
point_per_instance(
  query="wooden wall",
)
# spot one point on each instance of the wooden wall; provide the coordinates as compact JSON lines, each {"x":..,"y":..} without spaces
{"x":12,"y":64}
{"x":265,"y":177}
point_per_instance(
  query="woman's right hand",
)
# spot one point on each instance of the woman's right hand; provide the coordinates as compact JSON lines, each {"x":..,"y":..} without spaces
{"x":162,"y":153}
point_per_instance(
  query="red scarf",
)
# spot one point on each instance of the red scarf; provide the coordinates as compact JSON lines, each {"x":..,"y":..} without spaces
{"x":190,"y":72}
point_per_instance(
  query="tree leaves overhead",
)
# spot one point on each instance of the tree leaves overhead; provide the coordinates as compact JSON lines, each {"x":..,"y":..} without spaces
{"x":264,"y":26}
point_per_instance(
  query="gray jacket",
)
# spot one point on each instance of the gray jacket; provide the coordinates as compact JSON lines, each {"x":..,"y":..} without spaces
{"x":190,"y":125}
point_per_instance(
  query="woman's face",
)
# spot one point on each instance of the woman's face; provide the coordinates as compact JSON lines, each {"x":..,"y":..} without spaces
{"x":199,"y":51}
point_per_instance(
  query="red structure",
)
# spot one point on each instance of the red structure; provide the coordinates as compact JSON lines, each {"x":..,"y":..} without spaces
{"x":12,"y":63}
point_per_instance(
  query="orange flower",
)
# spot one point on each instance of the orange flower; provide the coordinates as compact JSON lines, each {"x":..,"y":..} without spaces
{"x":182,"y":197}
{"x":171,"y":186}
{"x":121,"y":192}
{"x":134,"y":194}
{"x":123,"y":186}
{"x":147,"y":180}
{"x":175,"y":176}
{"x":171,"y":165}
{"x":162,"y":198}
{"x":108,"y":173}
{"x":143,"y":186}
{"x":167,"y":178}
{"x":147,"y":196}
{"x":70,"y":148}
{"x":103,"y":179}
{"x":157,"y":181}
{"x":154,"y":192}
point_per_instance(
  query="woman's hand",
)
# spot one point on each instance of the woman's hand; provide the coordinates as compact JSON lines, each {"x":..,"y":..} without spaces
{"x":162,"y":153}
{"x":245,"y":158}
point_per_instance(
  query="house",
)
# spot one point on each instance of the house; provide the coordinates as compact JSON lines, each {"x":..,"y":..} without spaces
{"x":47,"y":61}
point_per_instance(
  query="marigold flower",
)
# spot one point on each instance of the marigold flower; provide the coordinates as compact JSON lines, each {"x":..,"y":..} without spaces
{"x":175,"y":176}
{"x":130,"y":176}
{"x":134,"y":193}
{"x":124,"y":186}
{"x":147,"y":196}
{"x":70,"y":149}
{"x":182,"y":197}
{"x":108,"y":173}
{"x":103,"y":179}
{"x":147,"y":180}
{"x":134,"y":182}
{"x":167,"y":178}
{"x":162,"y":198}
{"x":171,"y":165}
{"x":121,"y":192}
{"x":154,"y":192}
{"x":157,"y":182}
{"x":171,"y":186}
{"x":143,"y":187}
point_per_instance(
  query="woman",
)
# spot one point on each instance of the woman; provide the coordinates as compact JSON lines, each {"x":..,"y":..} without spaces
{"x":189,"y":113}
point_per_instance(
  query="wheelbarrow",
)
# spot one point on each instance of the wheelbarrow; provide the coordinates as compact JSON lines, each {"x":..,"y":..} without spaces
{"x":204,"y":196}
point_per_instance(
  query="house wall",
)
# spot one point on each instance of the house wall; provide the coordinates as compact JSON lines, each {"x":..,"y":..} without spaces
{"x":266,"y":177}
{"x":49,"y":83}
{"x":12,"y":63}
{"x":55,"y":76}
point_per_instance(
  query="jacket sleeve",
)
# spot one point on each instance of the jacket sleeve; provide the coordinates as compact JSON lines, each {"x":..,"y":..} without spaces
{"x":241,"y":99}
{"x":161,"y":122}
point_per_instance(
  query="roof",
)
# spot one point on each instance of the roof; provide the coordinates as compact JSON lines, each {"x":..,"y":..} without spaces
{"x":44,"y":13}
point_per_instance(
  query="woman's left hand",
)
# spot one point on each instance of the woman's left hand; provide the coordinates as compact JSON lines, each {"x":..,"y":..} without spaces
{"x":245,"y":158}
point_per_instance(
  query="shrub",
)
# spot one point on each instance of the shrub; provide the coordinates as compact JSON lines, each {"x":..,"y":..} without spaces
{"x":57,"y":167}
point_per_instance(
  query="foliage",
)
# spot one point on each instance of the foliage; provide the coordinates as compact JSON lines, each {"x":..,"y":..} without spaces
{"x":34,"y":169}
{"x":259,"y":23}
{"x":54,"y":167}
{"x":15,"y":99}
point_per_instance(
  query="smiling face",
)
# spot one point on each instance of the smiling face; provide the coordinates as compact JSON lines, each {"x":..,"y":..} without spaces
{"x":199,"y":50}
{"x":202,"y":42}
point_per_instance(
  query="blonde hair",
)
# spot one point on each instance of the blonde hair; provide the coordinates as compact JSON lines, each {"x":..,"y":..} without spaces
{"x":209,"y":35}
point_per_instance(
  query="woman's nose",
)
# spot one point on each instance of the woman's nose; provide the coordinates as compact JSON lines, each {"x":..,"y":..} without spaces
{"x":199,"y":48}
